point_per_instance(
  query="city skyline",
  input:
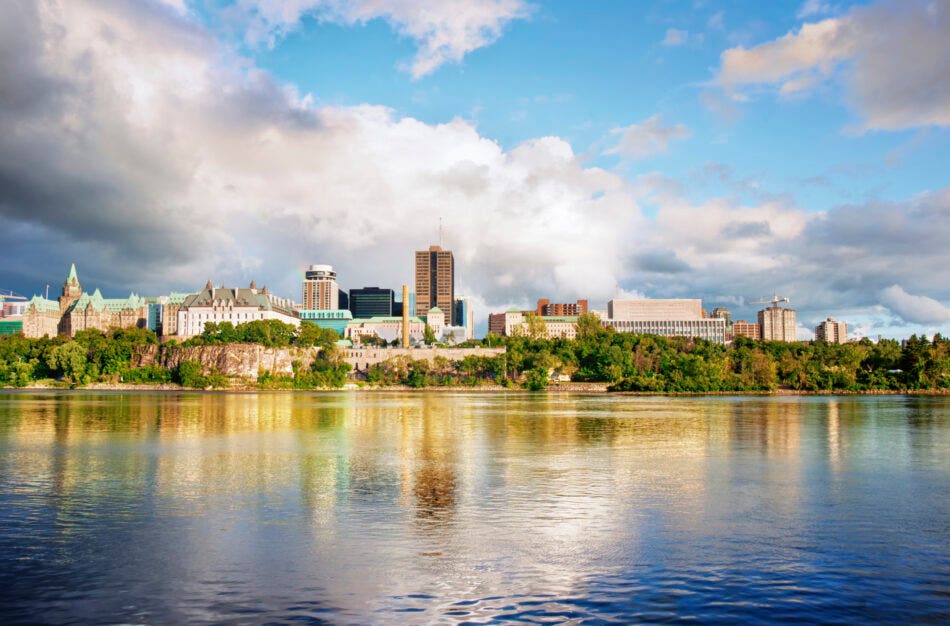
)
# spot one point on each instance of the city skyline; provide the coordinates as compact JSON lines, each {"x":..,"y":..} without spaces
{"x":668,"y":149}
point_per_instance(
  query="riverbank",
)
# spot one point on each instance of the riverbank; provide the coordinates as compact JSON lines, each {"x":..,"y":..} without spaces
{"x":560,"y":387}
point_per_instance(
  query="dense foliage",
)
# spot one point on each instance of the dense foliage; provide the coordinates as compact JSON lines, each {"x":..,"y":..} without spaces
{"x":95,"y":356}
{"x":627,"y":362}
{"x":631,"y":362}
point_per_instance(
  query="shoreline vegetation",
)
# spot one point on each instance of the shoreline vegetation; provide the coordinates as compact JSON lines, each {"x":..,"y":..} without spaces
{"x":598,"y":360}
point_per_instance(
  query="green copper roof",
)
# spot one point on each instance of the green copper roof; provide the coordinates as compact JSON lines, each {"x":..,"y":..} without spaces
{"x":98,"y":303}
{"x":42,"y":305}
{"x":435,"y":309}
{"x":72,"y":274}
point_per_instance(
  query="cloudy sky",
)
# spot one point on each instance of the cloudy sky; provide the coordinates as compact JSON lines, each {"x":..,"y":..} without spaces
{"x":721,"y":150}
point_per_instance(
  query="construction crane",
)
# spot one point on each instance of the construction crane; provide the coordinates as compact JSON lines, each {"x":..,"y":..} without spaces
{"x":773,"y":301}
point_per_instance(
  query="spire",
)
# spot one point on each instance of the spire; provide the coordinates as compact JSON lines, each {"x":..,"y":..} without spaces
{"x":208,"y":285}
{"x":72,"y":274}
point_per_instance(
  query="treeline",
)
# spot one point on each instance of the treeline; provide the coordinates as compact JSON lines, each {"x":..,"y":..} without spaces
{"x":631,"y":362}
{"x":625,"y":361}
{"x":96,"y":356}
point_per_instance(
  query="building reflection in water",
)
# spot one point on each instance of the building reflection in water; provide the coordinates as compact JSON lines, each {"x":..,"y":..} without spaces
{"x":475,"y":483}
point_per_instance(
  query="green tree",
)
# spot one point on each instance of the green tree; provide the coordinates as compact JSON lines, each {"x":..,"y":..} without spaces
{"x":428,"y":335}
{"x":69,"y":359}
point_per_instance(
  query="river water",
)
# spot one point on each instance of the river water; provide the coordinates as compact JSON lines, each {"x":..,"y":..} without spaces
{"x":472,"y":507}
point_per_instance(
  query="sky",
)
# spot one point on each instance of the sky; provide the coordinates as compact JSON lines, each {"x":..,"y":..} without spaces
{"x":668,"y":149}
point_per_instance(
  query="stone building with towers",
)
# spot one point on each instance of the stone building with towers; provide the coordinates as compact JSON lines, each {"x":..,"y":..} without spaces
{"x":77,"y":310}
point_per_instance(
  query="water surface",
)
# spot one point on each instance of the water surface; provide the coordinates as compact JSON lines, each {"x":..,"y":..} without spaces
{"x":472,"y":507}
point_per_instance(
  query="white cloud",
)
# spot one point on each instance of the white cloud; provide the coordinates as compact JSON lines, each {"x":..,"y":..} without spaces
{"x":914,"y":309}
{"x":167,"y":161}
{"x":814,"y":7}
{"x":675,"y":37}
{"x":648,"y":138}
{"x":893,"y":56}
{"x":446,"y":30}
{"x":204,"y":165}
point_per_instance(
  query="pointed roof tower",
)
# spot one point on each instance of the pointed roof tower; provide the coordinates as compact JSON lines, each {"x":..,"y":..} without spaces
{"x":72,"y":274}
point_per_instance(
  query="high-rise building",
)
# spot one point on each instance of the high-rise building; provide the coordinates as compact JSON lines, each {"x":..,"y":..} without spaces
{"x":778,"y":324}
{"x":722,"y":313}
{"x":465,"y":316}
{"x":435,"y":282}
{"x":372,"y":302}
{"x":832,"y":331}
{"x":320,"y":291}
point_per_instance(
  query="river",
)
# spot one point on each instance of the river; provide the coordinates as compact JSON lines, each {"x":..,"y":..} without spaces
{"x":472,"y":507}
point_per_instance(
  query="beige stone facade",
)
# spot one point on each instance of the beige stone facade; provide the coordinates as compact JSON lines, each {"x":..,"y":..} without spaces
{"x":75,"y":311}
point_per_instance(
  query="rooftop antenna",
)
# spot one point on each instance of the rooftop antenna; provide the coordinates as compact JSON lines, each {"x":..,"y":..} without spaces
{"x":440,"y":231}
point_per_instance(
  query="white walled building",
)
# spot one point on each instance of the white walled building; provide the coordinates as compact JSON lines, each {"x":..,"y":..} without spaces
{"x":664,"y":317}
{"x":235,"y":305}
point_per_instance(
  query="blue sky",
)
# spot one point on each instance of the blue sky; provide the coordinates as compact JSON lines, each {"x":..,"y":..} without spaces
{"x":707,"y":149}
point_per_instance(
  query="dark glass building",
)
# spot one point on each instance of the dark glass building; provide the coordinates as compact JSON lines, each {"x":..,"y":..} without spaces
{"x":371,"y":302}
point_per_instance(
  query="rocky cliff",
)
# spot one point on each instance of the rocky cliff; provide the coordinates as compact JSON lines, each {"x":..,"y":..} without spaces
{"x":238,"y":360}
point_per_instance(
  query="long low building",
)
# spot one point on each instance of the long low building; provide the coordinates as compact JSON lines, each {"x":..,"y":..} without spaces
{"x":664,"y":317}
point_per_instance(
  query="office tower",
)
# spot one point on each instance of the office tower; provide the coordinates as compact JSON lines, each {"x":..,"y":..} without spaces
{"x":320,"y":291}
{"x":371,"y":302}
{"x":435,"y":282}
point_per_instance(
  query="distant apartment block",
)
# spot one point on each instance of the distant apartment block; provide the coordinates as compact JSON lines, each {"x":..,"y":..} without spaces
{"x":496,"y":323}
{"x":550,"y":309}
{"x":742,"y":328}
{"x":832,"y":331}
{"x":435,"y":282}
{"x":723,"y":314}
{"x":778,"y":324}
{"x":320,"y":290}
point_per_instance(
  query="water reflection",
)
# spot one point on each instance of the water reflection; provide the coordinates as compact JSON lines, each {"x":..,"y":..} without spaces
{"x":475,"y":506}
